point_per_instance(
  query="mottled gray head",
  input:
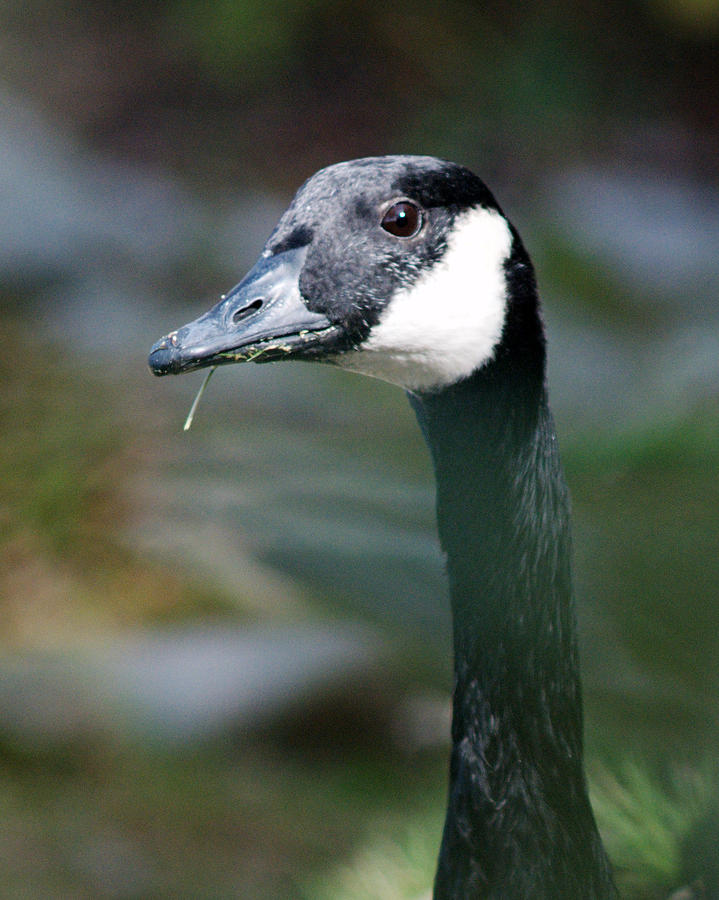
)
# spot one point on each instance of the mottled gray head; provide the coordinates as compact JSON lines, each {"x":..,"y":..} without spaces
{"x":400,"y":267}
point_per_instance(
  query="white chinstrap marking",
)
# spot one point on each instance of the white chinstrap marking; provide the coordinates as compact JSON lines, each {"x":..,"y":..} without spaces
{"x":449,"y":322}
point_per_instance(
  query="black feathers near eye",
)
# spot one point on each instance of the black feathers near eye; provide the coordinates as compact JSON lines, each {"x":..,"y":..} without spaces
{"x":403,"y":219}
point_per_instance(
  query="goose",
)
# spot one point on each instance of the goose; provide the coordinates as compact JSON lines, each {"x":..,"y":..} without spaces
{"x":405,"y":268}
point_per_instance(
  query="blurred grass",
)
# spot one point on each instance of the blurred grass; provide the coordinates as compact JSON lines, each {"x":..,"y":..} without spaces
{"x":583,"y":286}
{"x":646,"y":516}
{"x":97,"y":818}
{"x":219,"y":823}
{"x":66,"y":452}
{"x":399,"y":865}
{"x":230,"y":91}
{"x":645,"y":818}
{"x":91,"y":815}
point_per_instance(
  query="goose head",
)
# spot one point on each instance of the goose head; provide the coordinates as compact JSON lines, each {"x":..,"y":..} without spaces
{"x":399,"y":267}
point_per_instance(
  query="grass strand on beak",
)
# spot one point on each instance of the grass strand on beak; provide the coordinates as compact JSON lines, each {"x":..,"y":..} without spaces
{"x":191,"y":413}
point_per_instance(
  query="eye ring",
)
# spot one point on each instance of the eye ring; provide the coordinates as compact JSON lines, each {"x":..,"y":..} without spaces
{"x":403,"y":219}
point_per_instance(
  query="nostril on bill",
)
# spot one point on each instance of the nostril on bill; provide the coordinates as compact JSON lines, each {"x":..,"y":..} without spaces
{"x":245,"y":311}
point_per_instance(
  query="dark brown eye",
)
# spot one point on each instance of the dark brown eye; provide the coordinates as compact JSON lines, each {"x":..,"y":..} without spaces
{"x":403,"y":219}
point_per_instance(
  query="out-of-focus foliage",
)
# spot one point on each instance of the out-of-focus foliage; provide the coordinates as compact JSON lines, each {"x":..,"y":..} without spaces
{"x":65,"y":458}
{"x":238,"y":94}
{"x":645,"y":820}
{"x":212,"y":86}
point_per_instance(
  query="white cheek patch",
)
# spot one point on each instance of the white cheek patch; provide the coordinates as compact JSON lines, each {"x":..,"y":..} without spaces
{"x":449,"y":322}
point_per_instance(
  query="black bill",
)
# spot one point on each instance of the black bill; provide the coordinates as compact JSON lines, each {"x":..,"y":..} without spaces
{"x":262,"y":319}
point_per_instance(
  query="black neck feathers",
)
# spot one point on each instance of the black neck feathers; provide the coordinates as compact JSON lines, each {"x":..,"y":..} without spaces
{"x":519,"y":823}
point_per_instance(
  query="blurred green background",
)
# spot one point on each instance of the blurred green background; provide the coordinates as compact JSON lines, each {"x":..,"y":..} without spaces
{"x":224,"y":668}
